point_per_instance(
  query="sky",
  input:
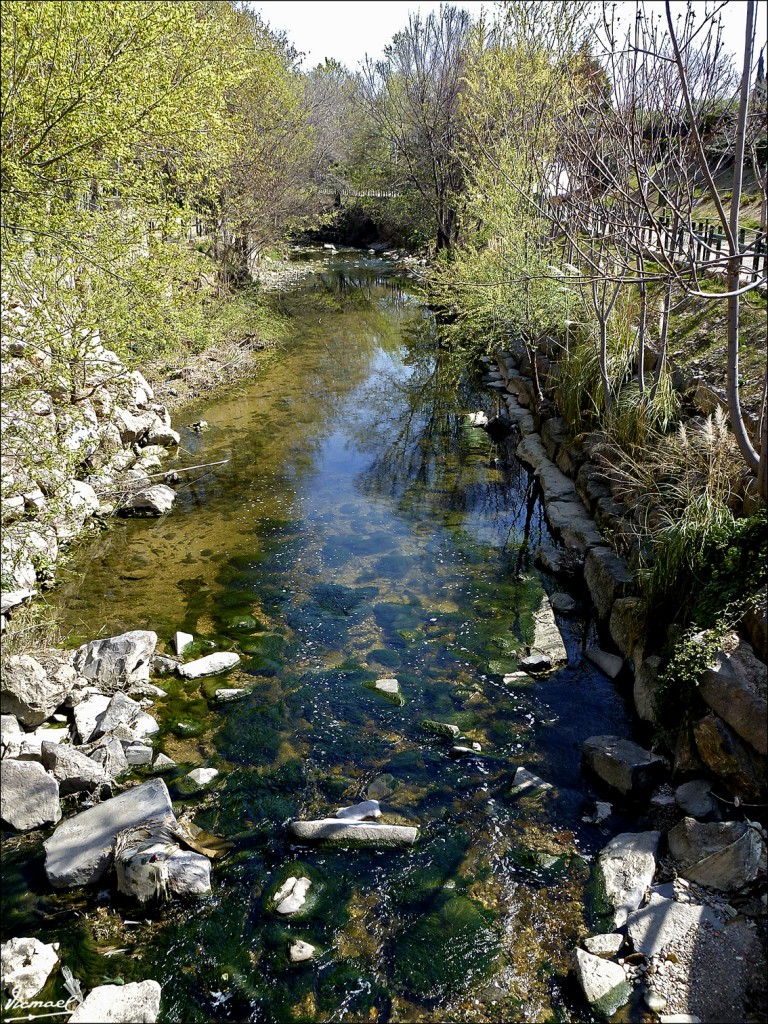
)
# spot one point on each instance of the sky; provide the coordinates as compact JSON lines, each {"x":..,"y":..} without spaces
{"x":349,"y":29}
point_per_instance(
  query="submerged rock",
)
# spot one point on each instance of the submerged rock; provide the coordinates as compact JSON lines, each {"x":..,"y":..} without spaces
{"x":25,"y":965}
{"x":135,"y":1003}
{"x":525,"y":783}
{"x":440,"y":728}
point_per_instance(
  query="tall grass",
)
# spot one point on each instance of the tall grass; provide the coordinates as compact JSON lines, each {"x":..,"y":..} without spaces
{"x":681,"y":487}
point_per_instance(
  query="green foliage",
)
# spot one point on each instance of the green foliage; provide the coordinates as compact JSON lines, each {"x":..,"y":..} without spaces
{"x":677,"y":698}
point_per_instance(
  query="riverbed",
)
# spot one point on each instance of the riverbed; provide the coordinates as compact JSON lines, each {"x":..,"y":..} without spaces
{"x":359,"y":528}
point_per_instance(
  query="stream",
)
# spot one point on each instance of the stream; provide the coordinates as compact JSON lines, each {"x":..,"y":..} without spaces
{"x":360,"y":529}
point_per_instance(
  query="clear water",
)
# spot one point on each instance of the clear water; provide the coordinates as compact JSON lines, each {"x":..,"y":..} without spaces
{"x":360,"y":529}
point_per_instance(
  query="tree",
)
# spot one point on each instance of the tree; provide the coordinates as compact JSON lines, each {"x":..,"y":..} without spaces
{"x":412,"y":98}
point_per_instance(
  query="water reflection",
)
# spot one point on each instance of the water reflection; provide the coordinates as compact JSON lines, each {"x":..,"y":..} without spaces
{"x":361,"y":528}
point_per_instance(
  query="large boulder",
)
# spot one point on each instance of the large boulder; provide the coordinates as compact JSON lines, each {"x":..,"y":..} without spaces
{"x":80,"y":850}
{"x":604,"y":984}
{"x":735,"y":687}
{"x":118,"y":660}
{"x":25,"y":965}
{"x":29,"y":796}
{"x":663,"y":923}
{"x":30,"y":692}
{"x":622,"y":764}
{"x":729,"y":758}
{"x":724,"y":855}
{"x":149,"y":864}
{"x":135,"y":1003}
{"x":625,"y":869}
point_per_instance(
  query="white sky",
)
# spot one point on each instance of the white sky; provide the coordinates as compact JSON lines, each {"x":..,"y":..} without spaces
{"x":350,"y":29}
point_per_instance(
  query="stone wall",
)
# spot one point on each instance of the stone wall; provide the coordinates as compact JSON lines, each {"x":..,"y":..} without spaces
{"x":584,"y":510}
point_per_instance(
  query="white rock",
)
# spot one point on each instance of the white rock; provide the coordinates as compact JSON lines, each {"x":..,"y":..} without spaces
{"x":234,"y":693}
{"x":32,"y":742}
{"x":181,"y":641}
{"x":292,"y":895}
{"x":300,"y":951}
{"x":387,"y":685}
{"x":156,"y":500}
{"x":163,"y":763}
{"x":189,"y":873}
{"x":29,"y":796}
{"x":547,"y":640}
{"x":138,"y":753}
{"x":135,"y":1003}
{"x":26,"y":964}
{"x":369,"y":833}
{"x":202,"y":776}
{"x":625,"y":869}
{"x":30,"y":692}
{"x":607,"y":944}
{"x":121,"y":660}
{"x":87,"y":714}
{"x":73,"y":769}
{"x":604,"y":983}
{"x":361,"y":811}
{"x":210,"y":665}
{"x":478,"y":419}
{"x":11,"y":598}
{"x":80,"y":850}
{"x":11,"y":736}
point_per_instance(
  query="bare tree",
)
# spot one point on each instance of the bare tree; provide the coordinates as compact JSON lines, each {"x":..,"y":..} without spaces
{"x":412,"y":97}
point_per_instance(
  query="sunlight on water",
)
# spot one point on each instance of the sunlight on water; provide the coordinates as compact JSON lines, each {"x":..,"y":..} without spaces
{"x":361,"y":529}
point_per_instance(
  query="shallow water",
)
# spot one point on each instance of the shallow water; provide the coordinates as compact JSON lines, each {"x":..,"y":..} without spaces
{"x":360,"y":529}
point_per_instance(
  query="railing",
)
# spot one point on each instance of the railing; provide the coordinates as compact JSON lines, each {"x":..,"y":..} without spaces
{"x":702,"y":244}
